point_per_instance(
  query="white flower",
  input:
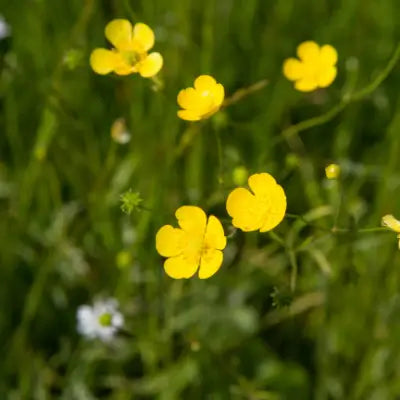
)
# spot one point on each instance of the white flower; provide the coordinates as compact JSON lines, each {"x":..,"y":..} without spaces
{"x":102,"y":320}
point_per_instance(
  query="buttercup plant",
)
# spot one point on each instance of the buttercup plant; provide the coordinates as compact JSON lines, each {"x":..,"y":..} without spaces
{"x":196,"y":246}
{"x":201,"y":101}
{"x":298,"y":260}
{"x":130,"y":52}
{"x":262,"y":208}
{"x":315,"y":68}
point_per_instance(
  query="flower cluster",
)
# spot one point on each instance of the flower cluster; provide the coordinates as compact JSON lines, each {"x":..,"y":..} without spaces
{"x":198,"y":242}
{"x":315,"y":67}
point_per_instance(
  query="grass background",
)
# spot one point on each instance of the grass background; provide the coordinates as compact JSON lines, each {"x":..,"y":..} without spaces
{"x":230,"y":337}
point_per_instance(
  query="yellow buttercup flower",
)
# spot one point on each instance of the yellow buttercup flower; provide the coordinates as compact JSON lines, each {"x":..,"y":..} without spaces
{"x":202,"y":101}
{"x":262,"y":208}
{"x":129,"y":54}
{"x":196,"y":245}
{"x":392,"y":223}
{"x":316,"y":67}
{"x":332,"y":171}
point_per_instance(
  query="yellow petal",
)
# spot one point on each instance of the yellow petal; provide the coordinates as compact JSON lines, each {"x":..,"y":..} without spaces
{"x":243,"y":207}
{"x":204,"y":82}
{"x":103,"y":61}
{"x":119,"y":33}
{"x":306,"y":84}
{"x":218,"y":93}
{"x":262,"y":184}
{"x":214,"y":237}
{"x":293,"y":69}
{"x":326,"y":76}
{"x":191,"y":219}
{"x":191,"y":99}
{"x":277,"y":210}
{"x":124,"y":70}
{"x":151,"y":65}
{"x":143,"y":37}
{"x":202,"y":102}
{"x":308,"y":51}
{"x":237,"y":199}
{"x":188,"y":115}
{"x":186,"y":97}
{"x":391,"y":222}
{"x":210,"y":263}
{"x":170,"y":241}
{"x":206,"y":86}
{"x":180,"y":267}
{"x":328,"y":55}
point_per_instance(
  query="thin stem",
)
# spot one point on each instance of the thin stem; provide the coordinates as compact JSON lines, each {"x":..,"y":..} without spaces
{"x":158,"y":83}
{"x":186,"y":139}
{"x":244,"y":92}
{"x":380,"y":78}
{"x":338,"y":208}
{"x":294,"y":271}
{"x":144,"y":208}
{"x":305,"y":221}
{"x":315,"y":121}
{"x":375,"y":229}
{"x":129,"y":9}
{"x":277,"y":238}
{"x":335,"y":229}
{"x":220,"y":157}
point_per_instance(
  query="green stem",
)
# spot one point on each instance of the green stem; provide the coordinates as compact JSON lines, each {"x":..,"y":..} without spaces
{"x":220,"y":157}
{"x":315,"y":121}
{"x":305,"y":221}
{"x":336,"y":230}
{"x":295,"y":268}
{"x":244,"y":92}
{"x":277,"y":238}
{"x":130,"y":11}
{"x":158,"y":83}
{"x":380,"y":78}
{"x":369,"y":230}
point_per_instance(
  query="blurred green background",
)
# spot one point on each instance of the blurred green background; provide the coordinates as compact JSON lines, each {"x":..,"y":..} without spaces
{"x":65,"y":241}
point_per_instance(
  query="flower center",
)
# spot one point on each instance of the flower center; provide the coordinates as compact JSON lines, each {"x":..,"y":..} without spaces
{"x":130,"y":57}
{"x":105,"y":319}
{"x":204,"y":249}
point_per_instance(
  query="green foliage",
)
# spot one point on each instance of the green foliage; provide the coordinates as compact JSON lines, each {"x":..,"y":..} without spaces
{"x":130,"y":201}
{"x":308,"y":312}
